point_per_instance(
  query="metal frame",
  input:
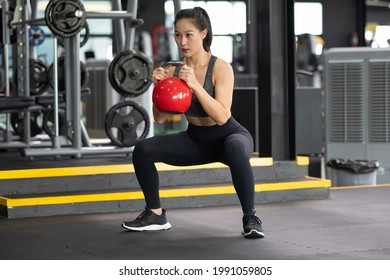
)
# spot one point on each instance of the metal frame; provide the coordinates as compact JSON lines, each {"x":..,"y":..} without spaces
{"x":80,"y":144}
{"x":6,"y":40}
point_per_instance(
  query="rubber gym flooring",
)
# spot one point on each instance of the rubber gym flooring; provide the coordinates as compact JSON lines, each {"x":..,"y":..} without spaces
{"x":352,"y":224}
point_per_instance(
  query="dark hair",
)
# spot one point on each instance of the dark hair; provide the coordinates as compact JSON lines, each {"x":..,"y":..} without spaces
{"x":201,"y":20}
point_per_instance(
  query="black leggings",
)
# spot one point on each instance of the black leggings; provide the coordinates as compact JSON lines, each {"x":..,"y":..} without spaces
{"x":230,"y":144}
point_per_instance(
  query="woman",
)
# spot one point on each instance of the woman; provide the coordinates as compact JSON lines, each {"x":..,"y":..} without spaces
{"x":213,"y":135}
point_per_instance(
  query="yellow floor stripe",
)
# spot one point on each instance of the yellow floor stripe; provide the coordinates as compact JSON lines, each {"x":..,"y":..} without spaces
{"x":66,"y":171}
{"x":301,"y":160}
{"x":109,"y":169}
{"x":314,"y":183}
{"x":359,"y":187}
{"x":261,"y":187}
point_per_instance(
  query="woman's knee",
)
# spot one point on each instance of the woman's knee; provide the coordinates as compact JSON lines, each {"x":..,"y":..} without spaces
{"x":236,"y":153}
{"x":238,"y":148}
{"x":142,"y":150}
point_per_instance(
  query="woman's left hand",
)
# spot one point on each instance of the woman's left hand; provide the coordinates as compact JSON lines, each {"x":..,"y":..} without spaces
{"x":187,"y":74}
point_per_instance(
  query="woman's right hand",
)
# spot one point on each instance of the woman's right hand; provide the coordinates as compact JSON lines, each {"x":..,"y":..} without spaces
{"x":159,"y":74}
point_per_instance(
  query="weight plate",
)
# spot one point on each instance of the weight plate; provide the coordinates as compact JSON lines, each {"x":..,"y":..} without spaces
{"x":39,"y":78}
{"x":65,"y":18}
{"x":36,"y":36}
{"x":48,"y":122}
{"x":127,"y":123}
{"x":130,"y":73}
{"x":84,"y":36}
{"x":61,"y":74}
{"x":17,"y":123}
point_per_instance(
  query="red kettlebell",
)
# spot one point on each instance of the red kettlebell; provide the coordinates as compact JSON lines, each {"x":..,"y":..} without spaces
{"x":172,"y":95}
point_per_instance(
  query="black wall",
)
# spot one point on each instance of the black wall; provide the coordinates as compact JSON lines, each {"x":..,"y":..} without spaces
{"x":152,"y":12}
{"x":379,"y":15}
{"x":340,"y":18}
{"x":339,"y":21}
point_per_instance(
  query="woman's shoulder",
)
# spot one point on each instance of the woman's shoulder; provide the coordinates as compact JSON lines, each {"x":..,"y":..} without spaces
{"x":220,"y":62}
{"x":222,"y":65}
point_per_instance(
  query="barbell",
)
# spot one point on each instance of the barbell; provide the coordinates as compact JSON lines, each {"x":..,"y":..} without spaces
{"x":65,"y":18}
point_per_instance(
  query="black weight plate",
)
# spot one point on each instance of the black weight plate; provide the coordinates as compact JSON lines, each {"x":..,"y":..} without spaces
{"x":111,"y":75}
{"x":130,"y":73}
{"x":17,"y":123}
{"x":48,"y":122}
{"x":39,"y":78}
{"x":84,"y":36}
{"x":127,"y":123}
{"x":65,"y":18}
{"x":61,"y":74}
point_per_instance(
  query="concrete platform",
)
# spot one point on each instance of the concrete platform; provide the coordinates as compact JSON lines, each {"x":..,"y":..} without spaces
{"x":48,"y":187}
{"x":353,"y":224}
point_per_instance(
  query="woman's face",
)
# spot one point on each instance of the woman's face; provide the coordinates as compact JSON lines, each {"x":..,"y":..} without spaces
{"x":188,"y":38}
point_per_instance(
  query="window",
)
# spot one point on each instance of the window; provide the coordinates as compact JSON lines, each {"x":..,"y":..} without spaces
{"x":100,"y":41}
{"x":224,"y":28}
{"x":308,"y":18}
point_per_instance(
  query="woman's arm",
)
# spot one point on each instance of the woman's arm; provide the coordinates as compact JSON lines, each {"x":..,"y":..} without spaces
{"x":217,"y":108}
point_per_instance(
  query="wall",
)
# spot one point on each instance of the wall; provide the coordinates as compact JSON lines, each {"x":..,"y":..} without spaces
{"x":339,"y":21}
{"x":152,"y":12}
{"x":340,"y":18}
{"x":379,"y":15}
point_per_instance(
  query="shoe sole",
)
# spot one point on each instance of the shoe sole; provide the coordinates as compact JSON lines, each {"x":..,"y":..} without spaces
{"x":148,"y":228}
{"x":253,"y":234}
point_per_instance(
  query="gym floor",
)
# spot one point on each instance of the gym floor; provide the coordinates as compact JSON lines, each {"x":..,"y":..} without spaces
{"x":353,"y":224}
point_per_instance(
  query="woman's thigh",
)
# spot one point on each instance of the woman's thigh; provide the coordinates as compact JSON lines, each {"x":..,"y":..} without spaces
{"x":175,"y":149}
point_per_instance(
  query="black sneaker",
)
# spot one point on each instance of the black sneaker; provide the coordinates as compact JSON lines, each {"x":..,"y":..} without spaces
{"x":147,"y":220}
{"x":252,"y":225}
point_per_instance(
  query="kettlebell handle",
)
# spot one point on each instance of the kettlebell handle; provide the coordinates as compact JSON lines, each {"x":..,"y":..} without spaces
{"x":176,"y":63}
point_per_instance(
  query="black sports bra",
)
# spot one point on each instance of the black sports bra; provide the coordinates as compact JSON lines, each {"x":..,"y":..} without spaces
{"x":196,"y":109}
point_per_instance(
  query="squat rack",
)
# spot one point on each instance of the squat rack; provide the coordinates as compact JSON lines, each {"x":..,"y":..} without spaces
{"x":80,"y":144}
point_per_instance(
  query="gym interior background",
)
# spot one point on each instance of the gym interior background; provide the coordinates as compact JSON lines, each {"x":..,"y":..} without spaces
{"x":90,"y":106}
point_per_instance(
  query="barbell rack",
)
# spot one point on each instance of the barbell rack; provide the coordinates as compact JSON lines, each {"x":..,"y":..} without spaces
{"x":72,"y":80}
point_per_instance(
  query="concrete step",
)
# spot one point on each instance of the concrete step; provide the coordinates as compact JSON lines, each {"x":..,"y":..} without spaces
{"x":113,"y":188}
{"x":117,"y":176}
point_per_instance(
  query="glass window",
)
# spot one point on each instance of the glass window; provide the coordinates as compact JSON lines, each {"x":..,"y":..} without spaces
{"x":100,"y":33}
{"x":223,"y":47}
{"x":233,"y":21}
{"x":381,"y":37}
{"x":308,"y":18}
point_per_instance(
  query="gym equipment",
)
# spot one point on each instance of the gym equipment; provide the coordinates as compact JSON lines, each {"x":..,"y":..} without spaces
{"x":17,"y":122}
{"x":39,"y":79}
{"x":65,"y":18}
{"x":83,"y":35}
{"x":130,"y":73}
{"x":10,"y":103}
{"x":7,"y":34}
{"x":172,"y":95}
{"x":48,"y":122}
{"x":61,"y":74}
{"x":19,"y":105}
{"x":37,"y":107}
{"x":127,"y":123}
{"x":36,"y":36}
